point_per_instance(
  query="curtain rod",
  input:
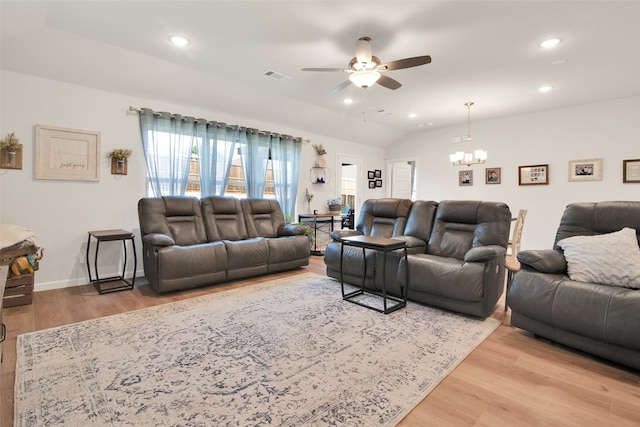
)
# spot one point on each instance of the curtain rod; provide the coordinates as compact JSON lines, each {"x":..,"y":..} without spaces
{"x":306,"y":141}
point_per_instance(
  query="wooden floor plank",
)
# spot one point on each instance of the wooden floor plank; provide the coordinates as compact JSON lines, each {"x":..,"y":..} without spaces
{"x":510,"y":379}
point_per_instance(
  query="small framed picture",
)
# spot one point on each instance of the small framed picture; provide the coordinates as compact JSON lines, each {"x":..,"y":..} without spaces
{"x":378,"y":183}
{"x":378,"y":173}
{"x":372,"y":183}
{"x":631,"y":170}
{"x":371,"y":175}
{"x":465,"y":178}
{"x":585,"y":170}
{"x":492,"y":176}
{"x":533,"y":175}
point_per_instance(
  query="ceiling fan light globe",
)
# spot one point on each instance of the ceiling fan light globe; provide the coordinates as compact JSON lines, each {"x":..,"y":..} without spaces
{"x":363,"y":50}
{"x":365,"y":78}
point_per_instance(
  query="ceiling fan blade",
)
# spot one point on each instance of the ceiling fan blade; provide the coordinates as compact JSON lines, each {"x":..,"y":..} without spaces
{"x":388,"y":82}
{"x":323,"y":69}
{"x":341,"y":86}
{"x":405,"y":63}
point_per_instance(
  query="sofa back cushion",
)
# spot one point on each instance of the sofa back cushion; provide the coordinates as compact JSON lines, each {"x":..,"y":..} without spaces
{"x":384,"y":217}
{"x":223,"y":218}
{"x":420,"y":220}
{"x":178,"y":217}
{"x":460,"y":225}
{"x":595,"y":218}
{"x":263,"y":217}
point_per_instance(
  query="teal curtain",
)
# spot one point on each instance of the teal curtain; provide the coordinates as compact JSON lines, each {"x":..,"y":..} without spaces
{"x":254,"y":152}
{"x":168,"y":141}
{"x":215,"y":152}
{"x":285,"y":161}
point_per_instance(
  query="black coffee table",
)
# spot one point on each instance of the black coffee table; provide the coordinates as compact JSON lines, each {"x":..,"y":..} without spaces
{"x":385,"y":246}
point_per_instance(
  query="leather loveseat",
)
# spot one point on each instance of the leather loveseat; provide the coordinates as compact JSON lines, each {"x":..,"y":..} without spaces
{"x":189,"y":242}
{"x":601,"y":319}
{"x":456,"y":251}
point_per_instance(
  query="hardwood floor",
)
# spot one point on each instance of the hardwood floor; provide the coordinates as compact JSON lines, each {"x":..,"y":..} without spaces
{"x":511,"y":379}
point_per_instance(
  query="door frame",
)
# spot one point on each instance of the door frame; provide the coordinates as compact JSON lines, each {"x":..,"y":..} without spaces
{"x":357,"y":161}
{"x":390,"y":163}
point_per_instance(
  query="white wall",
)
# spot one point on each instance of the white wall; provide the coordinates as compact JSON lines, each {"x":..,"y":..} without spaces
{"x":62,"y":212}
{"x":608,"y":130}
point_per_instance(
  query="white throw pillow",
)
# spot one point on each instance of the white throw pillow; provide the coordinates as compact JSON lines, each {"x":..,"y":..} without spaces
{"x":608,"y":259}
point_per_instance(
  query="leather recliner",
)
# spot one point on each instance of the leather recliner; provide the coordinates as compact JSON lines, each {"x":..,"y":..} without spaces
{"x":455,"y":249}
{"x":189,"y":242}
{"x":600,"y":319}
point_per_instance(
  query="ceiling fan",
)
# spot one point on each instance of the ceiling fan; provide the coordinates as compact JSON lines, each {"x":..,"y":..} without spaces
{"x":365,"y":69}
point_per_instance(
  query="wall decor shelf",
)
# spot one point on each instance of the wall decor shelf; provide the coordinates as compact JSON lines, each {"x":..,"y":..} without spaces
{"x":319,"y":175}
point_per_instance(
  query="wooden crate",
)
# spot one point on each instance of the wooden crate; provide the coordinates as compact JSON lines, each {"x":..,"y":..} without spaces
{"x":19,"y":289}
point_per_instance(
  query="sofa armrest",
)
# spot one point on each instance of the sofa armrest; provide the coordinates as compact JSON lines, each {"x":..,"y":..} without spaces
{"x":484,"y":253}
{"x":339,"y":234}
{"x":158,"y":239}
{"x":415,"y":245}
{"x":292,"y":230}
{"x":549,"y":261}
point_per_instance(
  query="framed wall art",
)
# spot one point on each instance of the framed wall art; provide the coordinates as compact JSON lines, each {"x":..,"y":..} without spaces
{"x":371,"y":175}
{"x":585,"y":170}
{"x":533,"y":175}
{"x":631,"y":170}
{"x":378,"y":173}
{"x":492,"y":176}
{"x":67,"y":154}
{"x":372,"y":183}
{"x":465,"y":178}
{"x":378,"y":183}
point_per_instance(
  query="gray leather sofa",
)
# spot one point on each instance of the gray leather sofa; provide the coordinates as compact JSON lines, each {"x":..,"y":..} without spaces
{"x":189,"y":242}
{"x":456,"y":252}
{"x":600,"y":319}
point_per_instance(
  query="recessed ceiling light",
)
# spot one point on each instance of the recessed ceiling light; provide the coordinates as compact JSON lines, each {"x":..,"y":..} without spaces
{"x":550,"y":43}
{"x":412,"y":115}
{"x":179,"y":41}
{"x":347,"y":101}
{"x":545,"y":89}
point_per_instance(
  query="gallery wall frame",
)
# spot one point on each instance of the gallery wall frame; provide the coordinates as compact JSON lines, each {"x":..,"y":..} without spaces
{"x":631,"y":171}
{"x":378,"y":173}
{"x":378,"y":183}
{"x":371,"y":175}
{"x":67,"y":154}
{"x":492,"y":176}
{"x":465,"y":178}
{"x":372,"y":183}
{"x":533,"y":175}
{"x":585,"y":170}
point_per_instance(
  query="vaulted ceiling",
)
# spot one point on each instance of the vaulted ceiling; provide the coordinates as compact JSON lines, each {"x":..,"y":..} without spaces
{"x":482,"y":51}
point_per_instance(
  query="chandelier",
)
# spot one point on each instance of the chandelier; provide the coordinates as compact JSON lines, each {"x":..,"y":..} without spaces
{"x":468,"y":158}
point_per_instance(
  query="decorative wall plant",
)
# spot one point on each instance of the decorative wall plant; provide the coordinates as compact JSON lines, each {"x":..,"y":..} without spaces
{"x":119,"y":158}
{"x":10,"y":152}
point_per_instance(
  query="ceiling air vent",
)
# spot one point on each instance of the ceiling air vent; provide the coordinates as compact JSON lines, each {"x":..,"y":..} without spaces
{"x":276,"y":75}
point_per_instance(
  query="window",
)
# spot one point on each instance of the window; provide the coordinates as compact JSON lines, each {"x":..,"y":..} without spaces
{"x":235,"y":185}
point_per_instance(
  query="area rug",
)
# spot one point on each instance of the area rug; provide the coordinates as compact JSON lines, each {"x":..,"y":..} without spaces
{"x":289,"y":352}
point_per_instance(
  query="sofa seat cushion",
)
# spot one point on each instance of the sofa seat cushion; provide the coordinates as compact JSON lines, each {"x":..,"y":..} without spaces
{"x":445,"y":277}
{"x":603,"y":313}
{"x":176,"y":262}
{"x":247,"y":253}
{"x":285,"y":249}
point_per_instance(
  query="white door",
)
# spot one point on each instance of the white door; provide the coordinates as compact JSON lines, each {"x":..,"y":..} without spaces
{"x":401,"y":180}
